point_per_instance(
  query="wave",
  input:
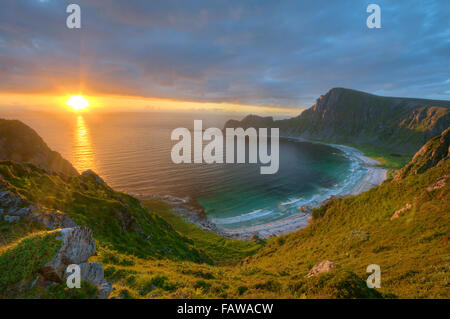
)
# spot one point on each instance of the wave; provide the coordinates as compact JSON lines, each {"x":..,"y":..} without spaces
{"x":258,"y":213}
{"x":291,"y":201}
{"x":290,"y":208}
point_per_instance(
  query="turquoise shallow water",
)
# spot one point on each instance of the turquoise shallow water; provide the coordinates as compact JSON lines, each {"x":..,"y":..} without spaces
{"x":241,"y":197}
{"x":131,"y":151}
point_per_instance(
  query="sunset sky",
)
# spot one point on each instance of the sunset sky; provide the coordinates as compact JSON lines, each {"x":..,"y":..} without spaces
{"x":248,"y":56}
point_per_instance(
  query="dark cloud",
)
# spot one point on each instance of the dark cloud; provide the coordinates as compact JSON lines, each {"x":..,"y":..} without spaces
{"x":257,"y":52}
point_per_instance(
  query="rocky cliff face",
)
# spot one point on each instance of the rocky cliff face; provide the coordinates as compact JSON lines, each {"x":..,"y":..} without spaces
{"x":349,"y":116}
{"x":18,"y":142}
{"x":76,"y":248}
{"x":433,"y":153}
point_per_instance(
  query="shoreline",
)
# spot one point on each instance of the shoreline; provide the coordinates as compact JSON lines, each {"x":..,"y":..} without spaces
{"x":193,"y":212}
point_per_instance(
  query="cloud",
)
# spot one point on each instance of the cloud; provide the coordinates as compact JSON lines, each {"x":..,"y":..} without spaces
{"x":268,"y":53}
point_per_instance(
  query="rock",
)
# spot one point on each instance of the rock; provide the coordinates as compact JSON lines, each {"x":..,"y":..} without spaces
{"x":53,"y":220}
{"x":90,"y":173}
{"x":305,"y":209}
{"x":430,"y":155}
{"x":104,"y":290}
{"x":11,"y":219}
{"x":92,"y":272}
{"x":77,"y":246}
{"x":441,"y":182}
{"x":322,"y":267}
{"x":22,"y":212}
{"x":400,"y":211}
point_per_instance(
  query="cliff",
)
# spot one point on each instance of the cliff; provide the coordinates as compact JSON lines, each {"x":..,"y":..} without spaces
{"x":19,"y":142}
{"x":352,"y":117}
{"x":434,"y":152}
{"x":132,"y":249}
{"x":51,"y":217}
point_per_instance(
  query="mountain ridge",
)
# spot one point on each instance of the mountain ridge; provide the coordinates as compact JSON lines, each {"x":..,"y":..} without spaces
{"x":348,"y":116}
{"x":19,"y":142}
{"x":145,"y":250}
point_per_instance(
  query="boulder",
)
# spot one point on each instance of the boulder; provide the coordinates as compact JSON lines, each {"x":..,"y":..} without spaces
{"x":305,"y":209}
{"x":53,"y":220}
{"x":104,"y":290}
{"x":22,"y":212}
{"x":441,"y":182}
{"x":11,"y":219}
{"x":77,"y":246}
{"x":400,"y":211}
{"x":92,"y":272}
{"x":322,"y":267}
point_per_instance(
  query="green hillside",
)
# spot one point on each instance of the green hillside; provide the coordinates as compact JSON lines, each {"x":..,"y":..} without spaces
{"x":384,"y":125}
{"x":117,"y":220}
{"x":148,"y":251}
{"x":412,"y":251}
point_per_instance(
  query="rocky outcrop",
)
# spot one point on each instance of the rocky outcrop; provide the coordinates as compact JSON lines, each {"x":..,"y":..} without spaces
{"x":53,"y":219}
{"x":14,"y":207}
{"x":322,"y":267}
{"x":399,"y":125}
{"x":77,"y":242}
{"x":76,"y":248}
{"x":431,"y":154}
{"x":400,"y":211}
{"x":20,"y":143}
{"x":440,"y":182}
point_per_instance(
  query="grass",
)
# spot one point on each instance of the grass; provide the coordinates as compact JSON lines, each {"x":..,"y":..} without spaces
{"x":20,"y":262}
{"x":353,"y":232}
{"x":388,"y":160}
{"x":221,"y":250}
{"x":12,"y":232}
{"x":115,"y":218}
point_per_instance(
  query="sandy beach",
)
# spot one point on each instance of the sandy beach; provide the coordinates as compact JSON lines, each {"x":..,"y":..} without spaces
{"x":372,"y":177}
{"x":367,"y":174}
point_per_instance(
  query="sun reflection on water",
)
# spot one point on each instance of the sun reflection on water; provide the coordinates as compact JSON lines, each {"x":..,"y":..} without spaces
{"x":84,"y":156}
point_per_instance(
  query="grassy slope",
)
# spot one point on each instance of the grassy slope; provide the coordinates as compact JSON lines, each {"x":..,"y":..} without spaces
{"x":221,"y":250}
{"x":413,"y":252}
{"x":117,"y":219}
{"x":353,"y":232}
{"x":19,"y":265}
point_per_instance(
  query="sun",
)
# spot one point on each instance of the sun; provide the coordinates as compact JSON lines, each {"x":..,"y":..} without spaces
{"x":77,"y":102}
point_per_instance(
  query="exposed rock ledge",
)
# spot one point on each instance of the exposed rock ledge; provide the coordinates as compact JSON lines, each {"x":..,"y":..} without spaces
{"x":77,"y":242}
{"x":323,"y":266}
{"x":77,"y":246}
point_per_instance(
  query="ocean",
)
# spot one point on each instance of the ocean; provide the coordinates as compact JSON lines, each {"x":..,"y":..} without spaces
{"x":131,"y":152}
